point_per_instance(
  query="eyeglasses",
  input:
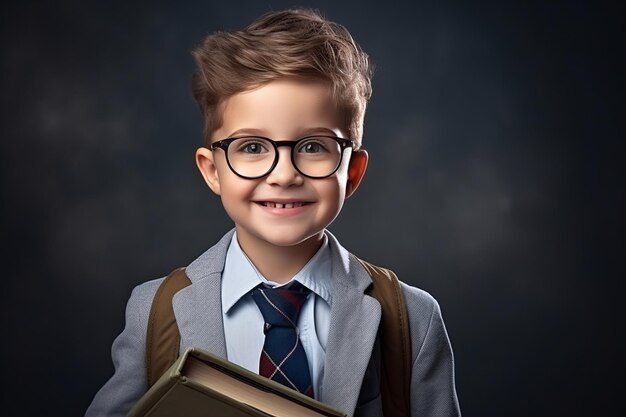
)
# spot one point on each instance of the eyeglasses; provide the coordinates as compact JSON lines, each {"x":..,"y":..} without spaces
{"x":254,"y":157}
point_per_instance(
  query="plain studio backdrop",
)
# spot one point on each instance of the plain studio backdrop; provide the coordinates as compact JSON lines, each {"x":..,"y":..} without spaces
{"x":495,"y":133}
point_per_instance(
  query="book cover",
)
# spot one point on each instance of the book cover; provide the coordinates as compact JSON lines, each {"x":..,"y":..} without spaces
{"x":200,"y":384}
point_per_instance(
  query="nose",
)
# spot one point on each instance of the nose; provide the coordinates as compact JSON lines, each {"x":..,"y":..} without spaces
{"x":284,"y":173}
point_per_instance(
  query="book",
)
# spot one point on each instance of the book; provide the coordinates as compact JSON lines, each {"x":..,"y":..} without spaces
{"x":200,"y":384}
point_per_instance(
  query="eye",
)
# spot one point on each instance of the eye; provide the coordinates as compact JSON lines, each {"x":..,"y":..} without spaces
{"x":313,"y":146}
{"x":251,"y":146}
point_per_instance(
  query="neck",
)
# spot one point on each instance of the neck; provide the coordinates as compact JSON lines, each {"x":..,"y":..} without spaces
{"x":279,"y":263}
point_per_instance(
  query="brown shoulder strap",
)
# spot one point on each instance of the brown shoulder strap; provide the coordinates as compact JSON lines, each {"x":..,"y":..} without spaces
{"x":163,"y":339}
{"x":395,"y":341}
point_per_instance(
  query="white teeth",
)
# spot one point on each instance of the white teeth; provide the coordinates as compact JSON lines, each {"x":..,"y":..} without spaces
{"x":281,"y":205}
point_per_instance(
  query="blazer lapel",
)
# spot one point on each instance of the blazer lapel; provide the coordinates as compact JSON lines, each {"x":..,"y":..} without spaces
{"x":354,"y":320}
{"x":198,"y":307}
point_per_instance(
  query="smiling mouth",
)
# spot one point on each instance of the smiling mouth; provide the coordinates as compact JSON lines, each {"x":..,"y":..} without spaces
{"x":272,"y":204}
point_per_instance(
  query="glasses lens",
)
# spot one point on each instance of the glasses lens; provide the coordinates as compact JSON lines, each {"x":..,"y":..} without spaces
{"x":317,"y":156}
{"x":250,"y":156}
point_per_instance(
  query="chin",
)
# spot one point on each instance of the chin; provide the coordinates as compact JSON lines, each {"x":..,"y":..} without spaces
{"x":286,"y":241}
{"x":289,"y":238}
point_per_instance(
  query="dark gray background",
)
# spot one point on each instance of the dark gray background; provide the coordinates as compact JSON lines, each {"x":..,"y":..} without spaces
{"x":496,"y":140}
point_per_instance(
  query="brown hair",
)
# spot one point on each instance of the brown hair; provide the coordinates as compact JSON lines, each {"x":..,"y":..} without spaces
{"x":296,"y":43}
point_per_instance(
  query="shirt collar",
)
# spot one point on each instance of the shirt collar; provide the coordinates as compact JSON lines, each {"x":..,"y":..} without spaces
{"x":240,"y":276}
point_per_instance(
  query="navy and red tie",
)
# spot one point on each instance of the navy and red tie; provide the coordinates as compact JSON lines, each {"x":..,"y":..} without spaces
{"x":283,"y":358}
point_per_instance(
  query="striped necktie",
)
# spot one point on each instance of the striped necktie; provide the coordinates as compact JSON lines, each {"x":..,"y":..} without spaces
{"x":283,"y":358}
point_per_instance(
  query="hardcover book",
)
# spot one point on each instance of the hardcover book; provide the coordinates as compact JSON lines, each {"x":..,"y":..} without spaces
{"x":200,"y":384}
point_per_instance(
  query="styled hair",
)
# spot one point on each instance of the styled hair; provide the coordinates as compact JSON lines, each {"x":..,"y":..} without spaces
{"x":294,"y":43}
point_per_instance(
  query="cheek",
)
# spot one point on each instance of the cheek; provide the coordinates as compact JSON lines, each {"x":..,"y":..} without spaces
{"x":235,"y":206}
{"x":235,"y":191}
{"x":334,"y":193}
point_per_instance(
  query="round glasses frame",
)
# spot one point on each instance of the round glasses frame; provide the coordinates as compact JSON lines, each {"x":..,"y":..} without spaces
{"x":224,"y":143}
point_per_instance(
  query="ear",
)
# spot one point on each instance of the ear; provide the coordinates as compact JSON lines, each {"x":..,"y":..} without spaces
{"x":356,"y":170}
{"x":208,"y":169}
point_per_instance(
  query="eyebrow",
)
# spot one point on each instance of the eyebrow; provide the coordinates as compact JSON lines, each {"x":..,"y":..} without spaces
{"x":261,"y":132}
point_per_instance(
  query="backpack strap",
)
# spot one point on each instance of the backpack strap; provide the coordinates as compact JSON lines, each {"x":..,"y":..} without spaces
{"x":163,"y":338}
{"x":395,"y":341}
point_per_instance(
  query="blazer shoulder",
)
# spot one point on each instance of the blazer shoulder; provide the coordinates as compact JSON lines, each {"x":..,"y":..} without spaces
{"x":146,"y":290}
{"x":424,"y":314}
{"x":419,"y":300}
{"x":139,"y":302}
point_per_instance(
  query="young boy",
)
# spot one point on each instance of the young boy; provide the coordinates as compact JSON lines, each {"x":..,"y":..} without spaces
{"x":283,"y":102}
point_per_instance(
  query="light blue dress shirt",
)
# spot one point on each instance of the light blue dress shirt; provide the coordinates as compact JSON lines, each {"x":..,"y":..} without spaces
{"x":243,"y":322}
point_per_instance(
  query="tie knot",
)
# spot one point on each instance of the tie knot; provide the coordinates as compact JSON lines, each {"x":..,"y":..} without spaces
{"x":281,"y":306}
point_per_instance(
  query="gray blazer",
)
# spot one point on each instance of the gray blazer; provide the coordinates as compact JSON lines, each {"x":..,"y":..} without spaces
{"x":351,"y":369}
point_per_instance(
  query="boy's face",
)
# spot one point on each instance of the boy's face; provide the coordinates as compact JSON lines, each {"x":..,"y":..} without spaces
{"x":281,"y":110}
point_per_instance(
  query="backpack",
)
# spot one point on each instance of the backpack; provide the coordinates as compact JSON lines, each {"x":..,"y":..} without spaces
{"x":163,"y":337}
